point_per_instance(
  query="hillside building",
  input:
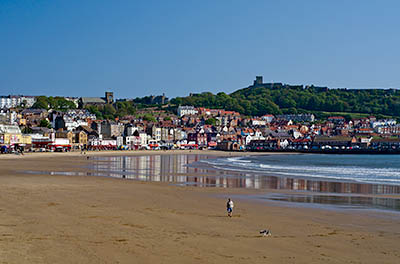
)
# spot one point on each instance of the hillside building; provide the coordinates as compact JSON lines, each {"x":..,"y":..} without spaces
{"x":107,"y":99}
{"x":12,"y":101}
{"x":186,"y":110}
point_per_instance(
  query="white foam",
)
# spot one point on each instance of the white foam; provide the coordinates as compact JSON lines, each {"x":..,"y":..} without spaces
{"x":238,"y":159}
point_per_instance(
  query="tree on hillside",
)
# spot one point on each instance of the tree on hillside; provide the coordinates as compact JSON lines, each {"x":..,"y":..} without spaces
{"x":41,"y":103}
{"x":26,"y":130}
{"x":125,"y":108}
{"x":56,"y":103}
{"x":149,"y":117}
{"x":45,"y":123}
{"x":211,"y":121}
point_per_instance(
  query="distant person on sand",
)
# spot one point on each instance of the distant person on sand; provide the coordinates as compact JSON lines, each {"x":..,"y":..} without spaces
{"x":229,"y":207}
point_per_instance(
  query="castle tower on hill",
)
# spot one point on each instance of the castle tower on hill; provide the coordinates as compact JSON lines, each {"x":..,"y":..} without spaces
{"x":109,"y":97}
{"x":258,"y":81}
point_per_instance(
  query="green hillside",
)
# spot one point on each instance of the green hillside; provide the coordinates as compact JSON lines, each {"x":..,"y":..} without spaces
{"x":279,"y":98}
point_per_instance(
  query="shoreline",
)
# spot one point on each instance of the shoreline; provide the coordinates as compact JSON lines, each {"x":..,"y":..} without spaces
{"x":218,"y":153}
{"x":86,"y":219}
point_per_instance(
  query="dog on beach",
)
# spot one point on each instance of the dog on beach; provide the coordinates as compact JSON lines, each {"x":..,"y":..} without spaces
{"x":266,"y":232}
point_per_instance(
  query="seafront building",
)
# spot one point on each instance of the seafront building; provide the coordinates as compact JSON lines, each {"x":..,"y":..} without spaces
{"x":11,"y":135}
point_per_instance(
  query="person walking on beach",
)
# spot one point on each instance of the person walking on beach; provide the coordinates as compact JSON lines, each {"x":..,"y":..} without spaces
{"x":229,"y":207}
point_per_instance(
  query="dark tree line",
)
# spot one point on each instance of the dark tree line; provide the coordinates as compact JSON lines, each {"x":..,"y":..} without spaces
{"x":56,"y":103}
{"x":256,"y":101}
{"x":108,"y":111}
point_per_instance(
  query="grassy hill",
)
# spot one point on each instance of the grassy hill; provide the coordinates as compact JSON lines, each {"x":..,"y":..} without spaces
{"x":280,"y":98}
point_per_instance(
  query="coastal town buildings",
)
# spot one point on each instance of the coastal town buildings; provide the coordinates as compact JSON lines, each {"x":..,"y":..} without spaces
{"x":191,"y":127}
{"x":12,"y":101}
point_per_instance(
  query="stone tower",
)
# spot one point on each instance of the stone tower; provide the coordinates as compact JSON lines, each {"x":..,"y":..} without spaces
{"x":258,"y":81}
{"x":109,"y":97}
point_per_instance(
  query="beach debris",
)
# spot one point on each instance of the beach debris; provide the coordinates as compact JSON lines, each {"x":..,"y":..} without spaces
{"x":266,"y":232}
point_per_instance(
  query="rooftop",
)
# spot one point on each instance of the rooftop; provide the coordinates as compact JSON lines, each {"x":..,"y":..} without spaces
{"x":98,"y":100}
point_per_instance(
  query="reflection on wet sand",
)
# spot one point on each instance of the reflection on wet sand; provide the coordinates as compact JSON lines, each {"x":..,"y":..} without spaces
{"x":346,"y":201}
{"x":176,"y":169}
{"x":186,"y":170}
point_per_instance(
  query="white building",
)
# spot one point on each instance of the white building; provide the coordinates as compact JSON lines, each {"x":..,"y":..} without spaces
{"x":386,"y":122}
{"x":80,"y":114}
{"x":10,"y":129}
{"x":256,"y":136}
{"x":6,"y":102}
{"x":268,"y":118}
{"x":131,"y":141}
{"x":143,"y":138}
{"x":186,"y":110}
{"x":28,"y":101}
{"x":120,"y":141}
{"x":73,"y":124}
{"x":102,"y":142}
{"x":9,"y":117}
{"x":16,"y":100}
{"x":297,"y":117}
{"x":258,"y":122}
{"x":156,"y":133}
{"x":75,"y":100}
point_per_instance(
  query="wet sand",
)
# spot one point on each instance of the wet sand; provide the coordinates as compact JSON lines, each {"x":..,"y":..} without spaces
{"x":136,"y":153}
{"x":83,"y":219}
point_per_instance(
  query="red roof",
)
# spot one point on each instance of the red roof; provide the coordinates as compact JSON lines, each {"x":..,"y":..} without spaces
{"x":336,"y":117}
{"x":301,"y":140}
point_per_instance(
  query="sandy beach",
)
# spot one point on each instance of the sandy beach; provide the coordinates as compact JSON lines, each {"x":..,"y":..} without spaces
{"x":85,"y":219}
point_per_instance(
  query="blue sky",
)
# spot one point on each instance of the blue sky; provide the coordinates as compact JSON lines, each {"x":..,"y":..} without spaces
{"x":137,"y":48}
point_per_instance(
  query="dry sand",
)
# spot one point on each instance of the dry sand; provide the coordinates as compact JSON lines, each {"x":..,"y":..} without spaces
{"x":83,"y":219}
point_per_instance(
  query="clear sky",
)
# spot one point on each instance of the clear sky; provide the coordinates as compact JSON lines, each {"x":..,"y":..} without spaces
{"x":137,"y":48}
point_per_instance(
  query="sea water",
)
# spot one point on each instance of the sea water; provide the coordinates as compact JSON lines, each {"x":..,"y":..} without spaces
{"x":373,"y":169}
